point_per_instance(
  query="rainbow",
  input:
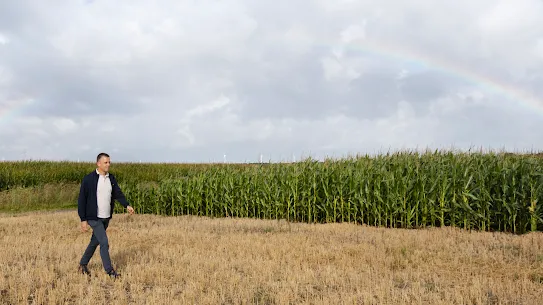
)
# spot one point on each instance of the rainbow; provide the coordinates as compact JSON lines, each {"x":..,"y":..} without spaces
{"x":382,"y":49}
{"x":12,"y":108}
{"x":426,"y":61}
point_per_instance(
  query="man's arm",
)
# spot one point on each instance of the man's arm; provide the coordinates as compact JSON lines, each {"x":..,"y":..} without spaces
{"x":119,"y":196}
{"x":82,"y":201}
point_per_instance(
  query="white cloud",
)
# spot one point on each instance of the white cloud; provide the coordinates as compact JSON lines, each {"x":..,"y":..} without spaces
{"x":186,"y":80}
{"x":65,"y":125}
{"x":203,"y":109}
{"x":354,"y":33}
{"x":197,"y":113}
{"x":538,"y":50}
{"x":3,"y":39}
{"x":4,"y":76}
{"x":335,"y":69}
{"x":506,"y":17}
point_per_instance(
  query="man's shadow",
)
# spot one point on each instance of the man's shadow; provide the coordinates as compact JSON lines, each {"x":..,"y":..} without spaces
{"x":120,"y":258}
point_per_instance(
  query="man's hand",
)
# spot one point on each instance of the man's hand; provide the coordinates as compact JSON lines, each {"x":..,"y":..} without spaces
{"x":130,"y":210}
{"x":84,"y":226}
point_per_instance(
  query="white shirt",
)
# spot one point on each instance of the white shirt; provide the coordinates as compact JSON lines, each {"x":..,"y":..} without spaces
{"x":103,"y":195}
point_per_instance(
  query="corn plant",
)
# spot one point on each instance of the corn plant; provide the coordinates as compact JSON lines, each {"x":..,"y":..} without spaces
{"x":490,"y":192}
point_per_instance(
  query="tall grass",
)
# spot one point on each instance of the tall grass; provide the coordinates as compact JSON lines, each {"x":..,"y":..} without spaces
{"x":403,"y":190}
{"x":38,"y":173}
{"x":42,"y":197}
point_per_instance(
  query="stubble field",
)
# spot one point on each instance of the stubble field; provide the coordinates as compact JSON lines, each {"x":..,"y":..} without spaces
{"x":198,"y":260}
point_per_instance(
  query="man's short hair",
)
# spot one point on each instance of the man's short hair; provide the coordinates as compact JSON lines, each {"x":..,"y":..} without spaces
{"x":100,"y":155}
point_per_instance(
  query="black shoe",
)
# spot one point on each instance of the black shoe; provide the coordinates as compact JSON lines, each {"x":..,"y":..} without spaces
{"x":84,"y":270}
{"x":113,"y":274}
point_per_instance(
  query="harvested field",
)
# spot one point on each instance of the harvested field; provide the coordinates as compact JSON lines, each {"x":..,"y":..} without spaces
{"x":197,"y":260}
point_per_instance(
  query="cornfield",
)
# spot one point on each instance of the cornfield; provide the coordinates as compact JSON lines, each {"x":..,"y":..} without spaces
{"x":488,"y":192}
{"x":474,"y":191}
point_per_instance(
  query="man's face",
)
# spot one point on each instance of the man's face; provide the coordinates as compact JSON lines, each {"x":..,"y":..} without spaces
{"x":103,"y":164}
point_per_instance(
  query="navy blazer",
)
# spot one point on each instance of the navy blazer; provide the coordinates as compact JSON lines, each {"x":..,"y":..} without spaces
{"x":87,"y":203}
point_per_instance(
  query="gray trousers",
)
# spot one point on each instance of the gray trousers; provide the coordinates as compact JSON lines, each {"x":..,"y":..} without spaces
{"x":99,"y":237}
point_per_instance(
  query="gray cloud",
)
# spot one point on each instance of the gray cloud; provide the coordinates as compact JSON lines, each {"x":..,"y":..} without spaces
{"x":191,"y":81}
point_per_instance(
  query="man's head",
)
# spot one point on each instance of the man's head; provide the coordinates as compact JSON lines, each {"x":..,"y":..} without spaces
{"x":103,"y":162}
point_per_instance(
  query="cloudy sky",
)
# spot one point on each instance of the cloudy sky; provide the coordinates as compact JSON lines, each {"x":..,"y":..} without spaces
{"x":191,"y":81}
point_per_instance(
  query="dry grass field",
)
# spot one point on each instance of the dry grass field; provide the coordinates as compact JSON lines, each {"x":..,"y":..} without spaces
{"x":194,"y":260}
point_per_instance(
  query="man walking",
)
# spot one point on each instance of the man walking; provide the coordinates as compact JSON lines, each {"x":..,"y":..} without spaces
{"x":97,"y":195}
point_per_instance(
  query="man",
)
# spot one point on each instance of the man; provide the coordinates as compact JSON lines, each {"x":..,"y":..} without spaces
{"x":97,"y":195}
